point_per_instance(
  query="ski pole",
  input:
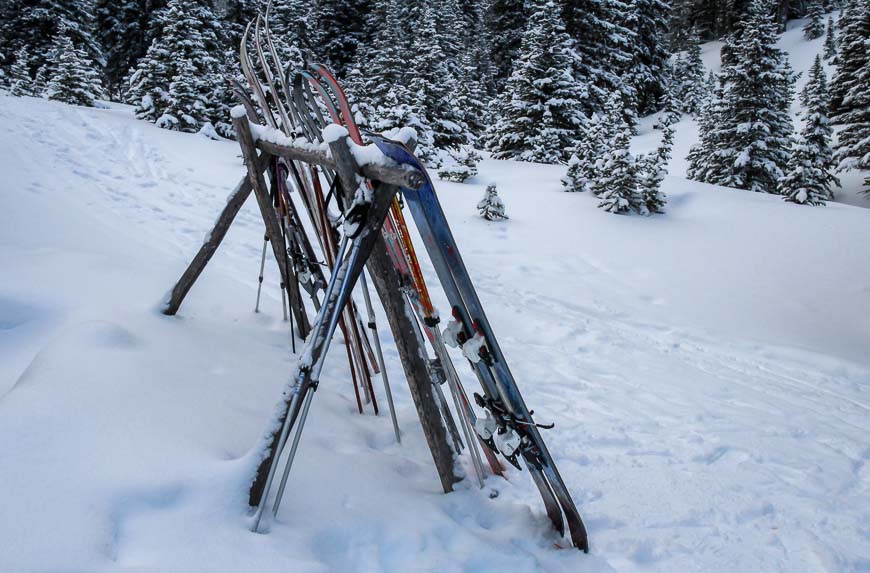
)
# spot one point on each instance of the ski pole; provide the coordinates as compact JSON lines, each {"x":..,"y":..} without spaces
{"x":262,"y":268}
{"x":380,"y":355}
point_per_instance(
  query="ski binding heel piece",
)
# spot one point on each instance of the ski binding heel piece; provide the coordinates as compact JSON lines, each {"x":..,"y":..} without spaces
{"x":453,"y":334}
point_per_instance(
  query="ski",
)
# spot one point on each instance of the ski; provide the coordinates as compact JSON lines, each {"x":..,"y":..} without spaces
{"x":509,"y":422}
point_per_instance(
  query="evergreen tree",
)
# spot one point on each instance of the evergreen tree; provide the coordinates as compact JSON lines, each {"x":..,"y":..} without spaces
{"x":582,"y":166}
{"x":830,"y":40}
{"x":74,"y":79}
{"x":653,"y":167}
{"x":35,"y":24}
{"x":810,"y":170}
{"x":850,"y":88}
{"x":121,"y":27}
{"x":540,"y":117}
{"x":651,"y":55}
{"x":187,"y":107}
{"x":505,"y":24}
{"x":238,"y":13}
{"x":692,"y":90}
{"x":339,"y":31}
{"x":491,"y":207}
{"x":617,"y":182}
{"x":19,"y":81}
{"x":748,"y":147}
{"x":190,"y":36}
{"x":815,"y":26}
{"x":290,"y":22}
{"x":704,"y":161}
{"x":431,"y":87}
{"x":605,"y":48}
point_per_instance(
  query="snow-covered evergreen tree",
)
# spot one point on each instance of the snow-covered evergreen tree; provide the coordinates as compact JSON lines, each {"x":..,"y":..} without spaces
{"x":540,"y":117}
{"x":692,"y":88}
{"x":506,"y":20}
{"x":703,"y":159}
{"x":121,"y":29}
{"x":431,"y":86}
{"x":74,"y":79}
{"x":19,"y":81}
{"x":649,"y":72}
{"x":190,"y":35}
{"x":582,"y":166}
{"x":815,"y":26}
{"x":830,"y":39}
{"x":810,"y":171}
{"x":35,"y":24}
{"x":850,"y":88}
{"x":616,"y":185}
{"x":290,"y":22}
{"x":749,"y":143}
{"x":491,"y":207}
{"x":187,"y":106}
{"x":605,"y":46}
{"x":339,"y":31}
{"x":653,"y":167}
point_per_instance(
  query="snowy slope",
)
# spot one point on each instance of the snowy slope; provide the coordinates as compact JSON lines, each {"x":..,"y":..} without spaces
{"x":706,"y":370}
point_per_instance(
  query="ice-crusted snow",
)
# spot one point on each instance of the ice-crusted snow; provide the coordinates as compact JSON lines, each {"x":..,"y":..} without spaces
{"x":707,"y":372}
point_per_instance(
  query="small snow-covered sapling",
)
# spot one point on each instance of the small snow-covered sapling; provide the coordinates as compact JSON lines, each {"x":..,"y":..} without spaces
{"x":491,"y":207}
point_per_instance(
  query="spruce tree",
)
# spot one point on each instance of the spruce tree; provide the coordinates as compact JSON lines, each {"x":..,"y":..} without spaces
{"x":582,"y":166}
{"x":651,"y":55}
{"x":815,"y":26}
{"x":704,"y":161}
{"x":749,"y":147}
{"x":617,"y":182}
{"x":810,"y":171}
{"x":491,"y":207}
{"x":290,"y":22}
{"x":19,"y":81}
{"x":505,"y":24}
{"x":187,"y":107}
{"x":339,"y":31}
{"x":830,"y":40}
{"x":121,"y":31}
{"x":74,"y":79}
{"x":850,"y":88}
{"x":604,"y":46}
{"x":653,"y":167}
{"x":692,"y":90}
{"x":540,"y":117}
{"x":431,"y":87}
{"x":190,"y":34}
{"x":36,"y":23}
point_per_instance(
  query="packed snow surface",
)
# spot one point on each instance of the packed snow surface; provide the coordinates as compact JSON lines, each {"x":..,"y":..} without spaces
{"x":707,"y":372}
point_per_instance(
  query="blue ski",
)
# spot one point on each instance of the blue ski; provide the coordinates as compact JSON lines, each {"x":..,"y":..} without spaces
{"x":502,"y":396}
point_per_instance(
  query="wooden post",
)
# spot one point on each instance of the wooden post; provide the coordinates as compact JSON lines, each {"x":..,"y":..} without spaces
{"x":273,"y":227}
{"x":406,"y":334}
{"x":212,"y":242}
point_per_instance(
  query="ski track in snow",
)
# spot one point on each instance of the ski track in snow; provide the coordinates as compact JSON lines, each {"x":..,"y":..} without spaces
{"x":707,"y":382}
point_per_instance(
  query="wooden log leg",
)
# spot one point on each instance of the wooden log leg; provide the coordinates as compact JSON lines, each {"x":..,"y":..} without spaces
{"x":211,"y":243}
{"x":273,"y":227}
{"x":411,"y":352}
{"x":409,"y":341}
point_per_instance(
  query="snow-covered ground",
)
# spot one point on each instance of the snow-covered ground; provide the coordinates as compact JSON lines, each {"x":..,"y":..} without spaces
{"x":707,"y":371}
